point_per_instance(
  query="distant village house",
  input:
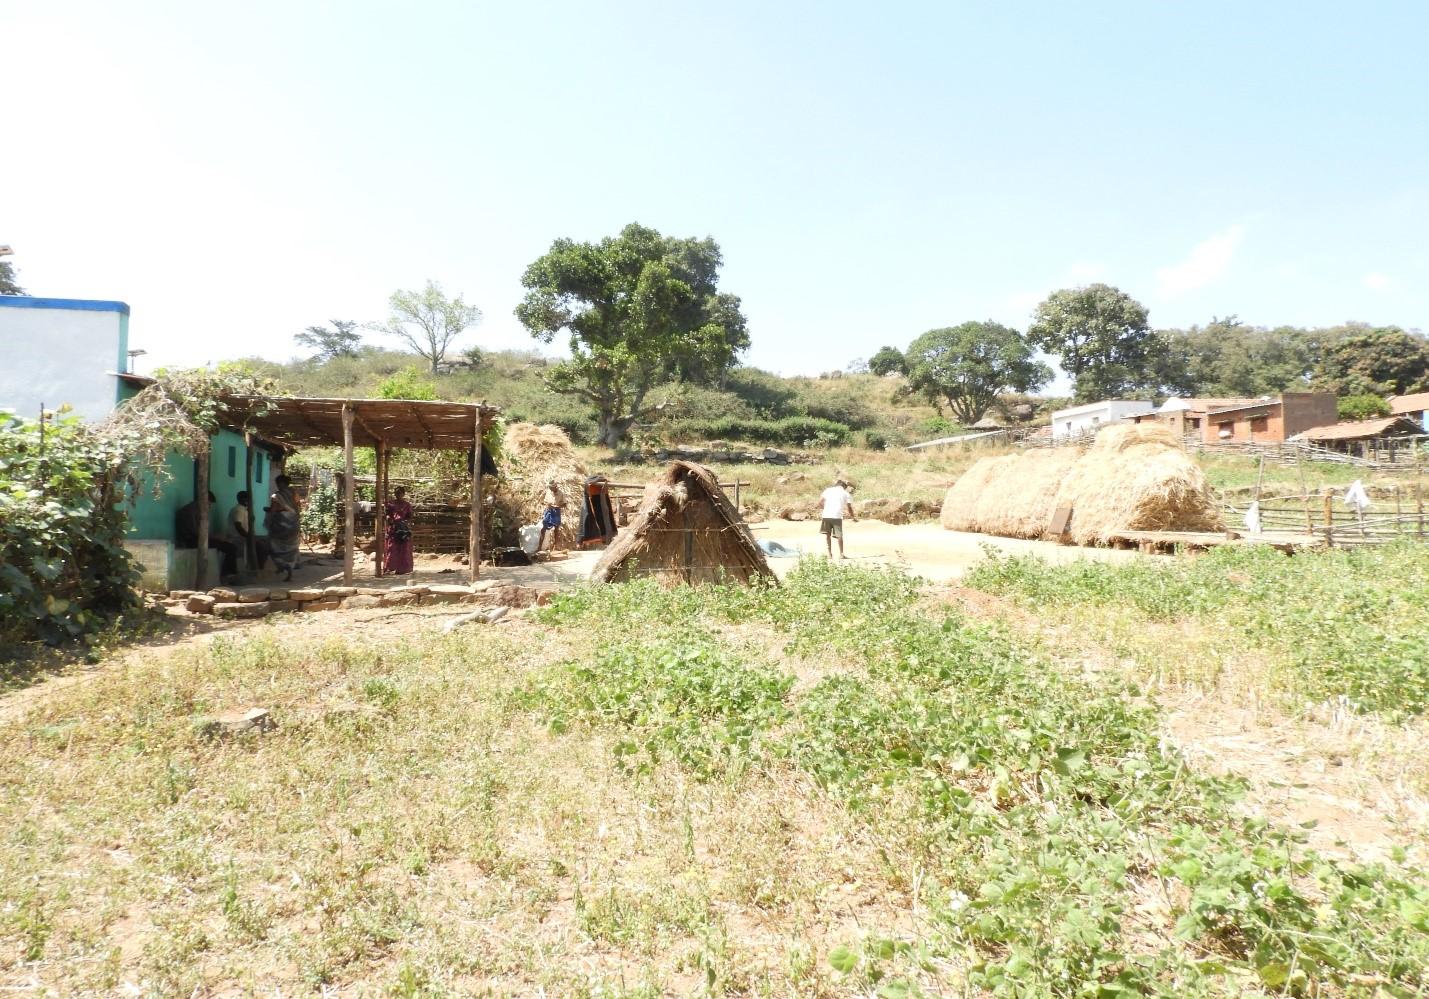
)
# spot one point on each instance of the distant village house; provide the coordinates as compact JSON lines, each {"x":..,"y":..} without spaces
{"x":1093,"y":416}
{"x":1415,"y":407}
{"x":1270,"y":420}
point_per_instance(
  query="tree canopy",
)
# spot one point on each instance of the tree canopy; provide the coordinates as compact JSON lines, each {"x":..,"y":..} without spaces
{"x":966,"y":366}
{"x":9,"y":284}
{"x":637,"y":307}
{"x":1382,"y":361}
{"x":1101,"y":337}
{"x":339,"y":341}
{"x":428,"y":321}
{"x":888,"y":360}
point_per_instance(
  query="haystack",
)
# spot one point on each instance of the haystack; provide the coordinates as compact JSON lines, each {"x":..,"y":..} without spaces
{"x":534,"y":455}
{"x":1135,"y":477}
{"x":687,"y":531}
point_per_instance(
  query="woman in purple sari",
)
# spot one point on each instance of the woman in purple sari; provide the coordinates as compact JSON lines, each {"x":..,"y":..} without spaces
{"x":397,"y":555}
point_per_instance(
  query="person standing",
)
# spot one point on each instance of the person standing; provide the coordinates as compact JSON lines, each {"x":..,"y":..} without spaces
{"x":238,"y":530}
{"x":285,"y":526}
{"x":837,"y":501}
{"x":397,"y":554}
{"x":551,"y":517}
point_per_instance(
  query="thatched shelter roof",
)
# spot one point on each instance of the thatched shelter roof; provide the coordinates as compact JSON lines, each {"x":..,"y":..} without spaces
{"x":687,"y":531}
{"x":1361,"y":430}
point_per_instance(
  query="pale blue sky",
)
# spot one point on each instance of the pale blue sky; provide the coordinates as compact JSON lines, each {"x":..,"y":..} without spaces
{"x":236,"y":172}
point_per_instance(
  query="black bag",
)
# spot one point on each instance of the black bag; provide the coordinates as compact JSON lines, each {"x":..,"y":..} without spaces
{"x":401,"y":531}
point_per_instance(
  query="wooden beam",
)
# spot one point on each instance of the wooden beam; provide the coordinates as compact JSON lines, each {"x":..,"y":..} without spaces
{"x":376,"y":437}
{"x":201,"y":498}
{"x":350,"y":495}
{"x":250,"y":544}
{"x":317,"y":431}
{"x":381,"y":522}
{"x":475,"y":537}
{"x":417,"y":415}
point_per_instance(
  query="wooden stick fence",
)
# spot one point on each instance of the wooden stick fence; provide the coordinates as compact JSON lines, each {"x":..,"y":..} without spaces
{"x":1397,"y":517}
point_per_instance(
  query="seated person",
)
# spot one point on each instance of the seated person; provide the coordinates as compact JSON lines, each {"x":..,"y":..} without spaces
{"x":238,"y":530}
{"x":186,"y":527}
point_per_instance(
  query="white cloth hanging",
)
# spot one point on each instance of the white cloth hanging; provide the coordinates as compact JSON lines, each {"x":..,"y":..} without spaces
{"x":1252,"y":518}
{"x":1356,"y":498}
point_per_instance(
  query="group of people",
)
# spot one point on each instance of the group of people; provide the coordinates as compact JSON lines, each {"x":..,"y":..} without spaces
{"x":282,"y":522}
{"x":281,"y":519}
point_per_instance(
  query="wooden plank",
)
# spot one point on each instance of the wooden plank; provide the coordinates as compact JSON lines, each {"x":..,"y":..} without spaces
{"x":250,"y":547}
{"x":380,"y":529}
{"x":1061,"y":521}
{"x":349,"y":494}
{"x":201,"y":496}
{"x":474,"y":555}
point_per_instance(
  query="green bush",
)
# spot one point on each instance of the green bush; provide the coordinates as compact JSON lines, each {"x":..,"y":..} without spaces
{"x":793,"y":431}
{"x":64,"y":571}
{"x":1362,"y":407}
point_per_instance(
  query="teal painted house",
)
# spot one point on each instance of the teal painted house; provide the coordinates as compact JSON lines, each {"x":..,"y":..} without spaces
{"x":152,"y":520}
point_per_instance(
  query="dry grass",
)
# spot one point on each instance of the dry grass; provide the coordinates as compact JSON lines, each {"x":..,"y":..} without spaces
{"x":407,"y":828}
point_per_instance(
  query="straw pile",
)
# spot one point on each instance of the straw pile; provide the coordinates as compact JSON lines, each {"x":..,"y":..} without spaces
{"x":1135,"y":477}
{"x":687,"y":531}
{"x":533,"y":456}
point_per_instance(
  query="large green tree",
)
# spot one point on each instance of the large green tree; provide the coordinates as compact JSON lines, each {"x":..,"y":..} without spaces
{"x":428,"y":321}
{"x":1228,"y":358}
{"x":638,"y":307}
{"x":1382,"y":361}
{"x":1101,"y":338}
{"x":341,"y":340}
{"x":965,"y":367}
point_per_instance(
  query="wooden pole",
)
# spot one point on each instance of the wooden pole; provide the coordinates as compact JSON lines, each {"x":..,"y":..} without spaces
{"x":1305,"y":497}
{"x":1329,"y":521}
{"x":380,"y":488}
{"x":475,"y":534}
{"x":349,"y":494}
{"x":201,"y":497}
{"x":250,"y":544}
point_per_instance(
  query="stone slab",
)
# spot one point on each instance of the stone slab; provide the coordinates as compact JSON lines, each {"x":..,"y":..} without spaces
{"x":238,"y":610}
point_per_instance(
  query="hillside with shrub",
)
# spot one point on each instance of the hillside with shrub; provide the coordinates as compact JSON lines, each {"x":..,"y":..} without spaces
{"x":751,"y":405}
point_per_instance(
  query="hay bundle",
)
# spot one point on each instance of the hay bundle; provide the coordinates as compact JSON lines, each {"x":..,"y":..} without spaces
{"x":1014,"y":495}
{"x":1137,"y":478}
{"x":1134,"y":477}
{"x":532,"y":457}
{"x":687,"y":531}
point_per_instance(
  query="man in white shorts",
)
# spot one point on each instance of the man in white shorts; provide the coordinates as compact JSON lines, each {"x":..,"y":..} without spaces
{"x":837,"y":500}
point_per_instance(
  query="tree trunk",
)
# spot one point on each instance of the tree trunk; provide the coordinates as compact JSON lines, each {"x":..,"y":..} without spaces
{"x":611,"y":430}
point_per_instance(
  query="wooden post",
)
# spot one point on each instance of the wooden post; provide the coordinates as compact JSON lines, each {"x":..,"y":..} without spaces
{"x":475,"y":533}
{"x":1329,"y":521}
{"x":737,"y":508}
{"x":250,"y":545}
{"x":380,"y":528}
{"x":349,"y":494}
{"x":1305,"y":497}
{"x":201,"y":497}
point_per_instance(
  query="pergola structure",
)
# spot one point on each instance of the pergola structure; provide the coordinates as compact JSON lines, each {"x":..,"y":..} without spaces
{"x":381,"y":424}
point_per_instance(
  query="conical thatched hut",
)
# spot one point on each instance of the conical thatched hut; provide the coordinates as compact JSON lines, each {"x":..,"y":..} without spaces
{"x":1135,"y":477}
{"x":687,"y":531}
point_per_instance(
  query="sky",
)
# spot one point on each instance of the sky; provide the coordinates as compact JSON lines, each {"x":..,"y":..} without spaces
{"x":871,"y":171}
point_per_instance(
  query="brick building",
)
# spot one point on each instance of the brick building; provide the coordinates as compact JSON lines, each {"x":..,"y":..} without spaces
{"x":1270,"y":420}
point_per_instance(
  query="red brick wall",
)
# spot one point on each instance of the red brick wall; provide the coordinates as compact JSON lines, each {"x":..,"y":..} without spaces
{"x":1304,"y":410}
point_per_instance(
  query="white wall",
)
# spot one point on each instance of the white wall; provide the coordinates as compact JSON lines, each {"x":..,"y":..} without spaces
{"x":55,"y":351}
{"x":1094,"y":416}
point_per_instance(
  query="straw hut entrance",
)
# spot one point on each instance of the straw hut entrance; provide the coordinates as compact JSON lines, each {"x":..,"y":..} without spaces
{"x":687,"y":531}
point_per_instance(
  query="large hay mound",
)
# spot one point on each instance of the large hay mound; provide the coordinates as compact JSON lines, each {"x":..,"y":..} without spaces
{"x":534,"y":455}
{"x":1135,"y":477}
{"x":687,"y":531}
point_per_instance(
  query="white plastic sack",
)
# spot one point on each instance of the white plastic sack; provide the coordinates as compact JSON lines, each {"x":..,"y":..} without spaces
{"x":530,"y":538}
{"x":1356,"y":498}
{"x":1252,"y":518}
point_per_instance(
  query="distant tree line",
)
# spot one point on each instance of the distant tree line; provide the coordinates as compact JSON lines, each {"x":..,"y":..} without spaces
{"x":1102,"y":338}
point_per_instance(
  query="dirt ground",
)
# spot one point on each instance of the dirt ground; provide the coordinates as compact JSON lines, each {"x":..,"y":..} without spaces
{"x":924,"y":550}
